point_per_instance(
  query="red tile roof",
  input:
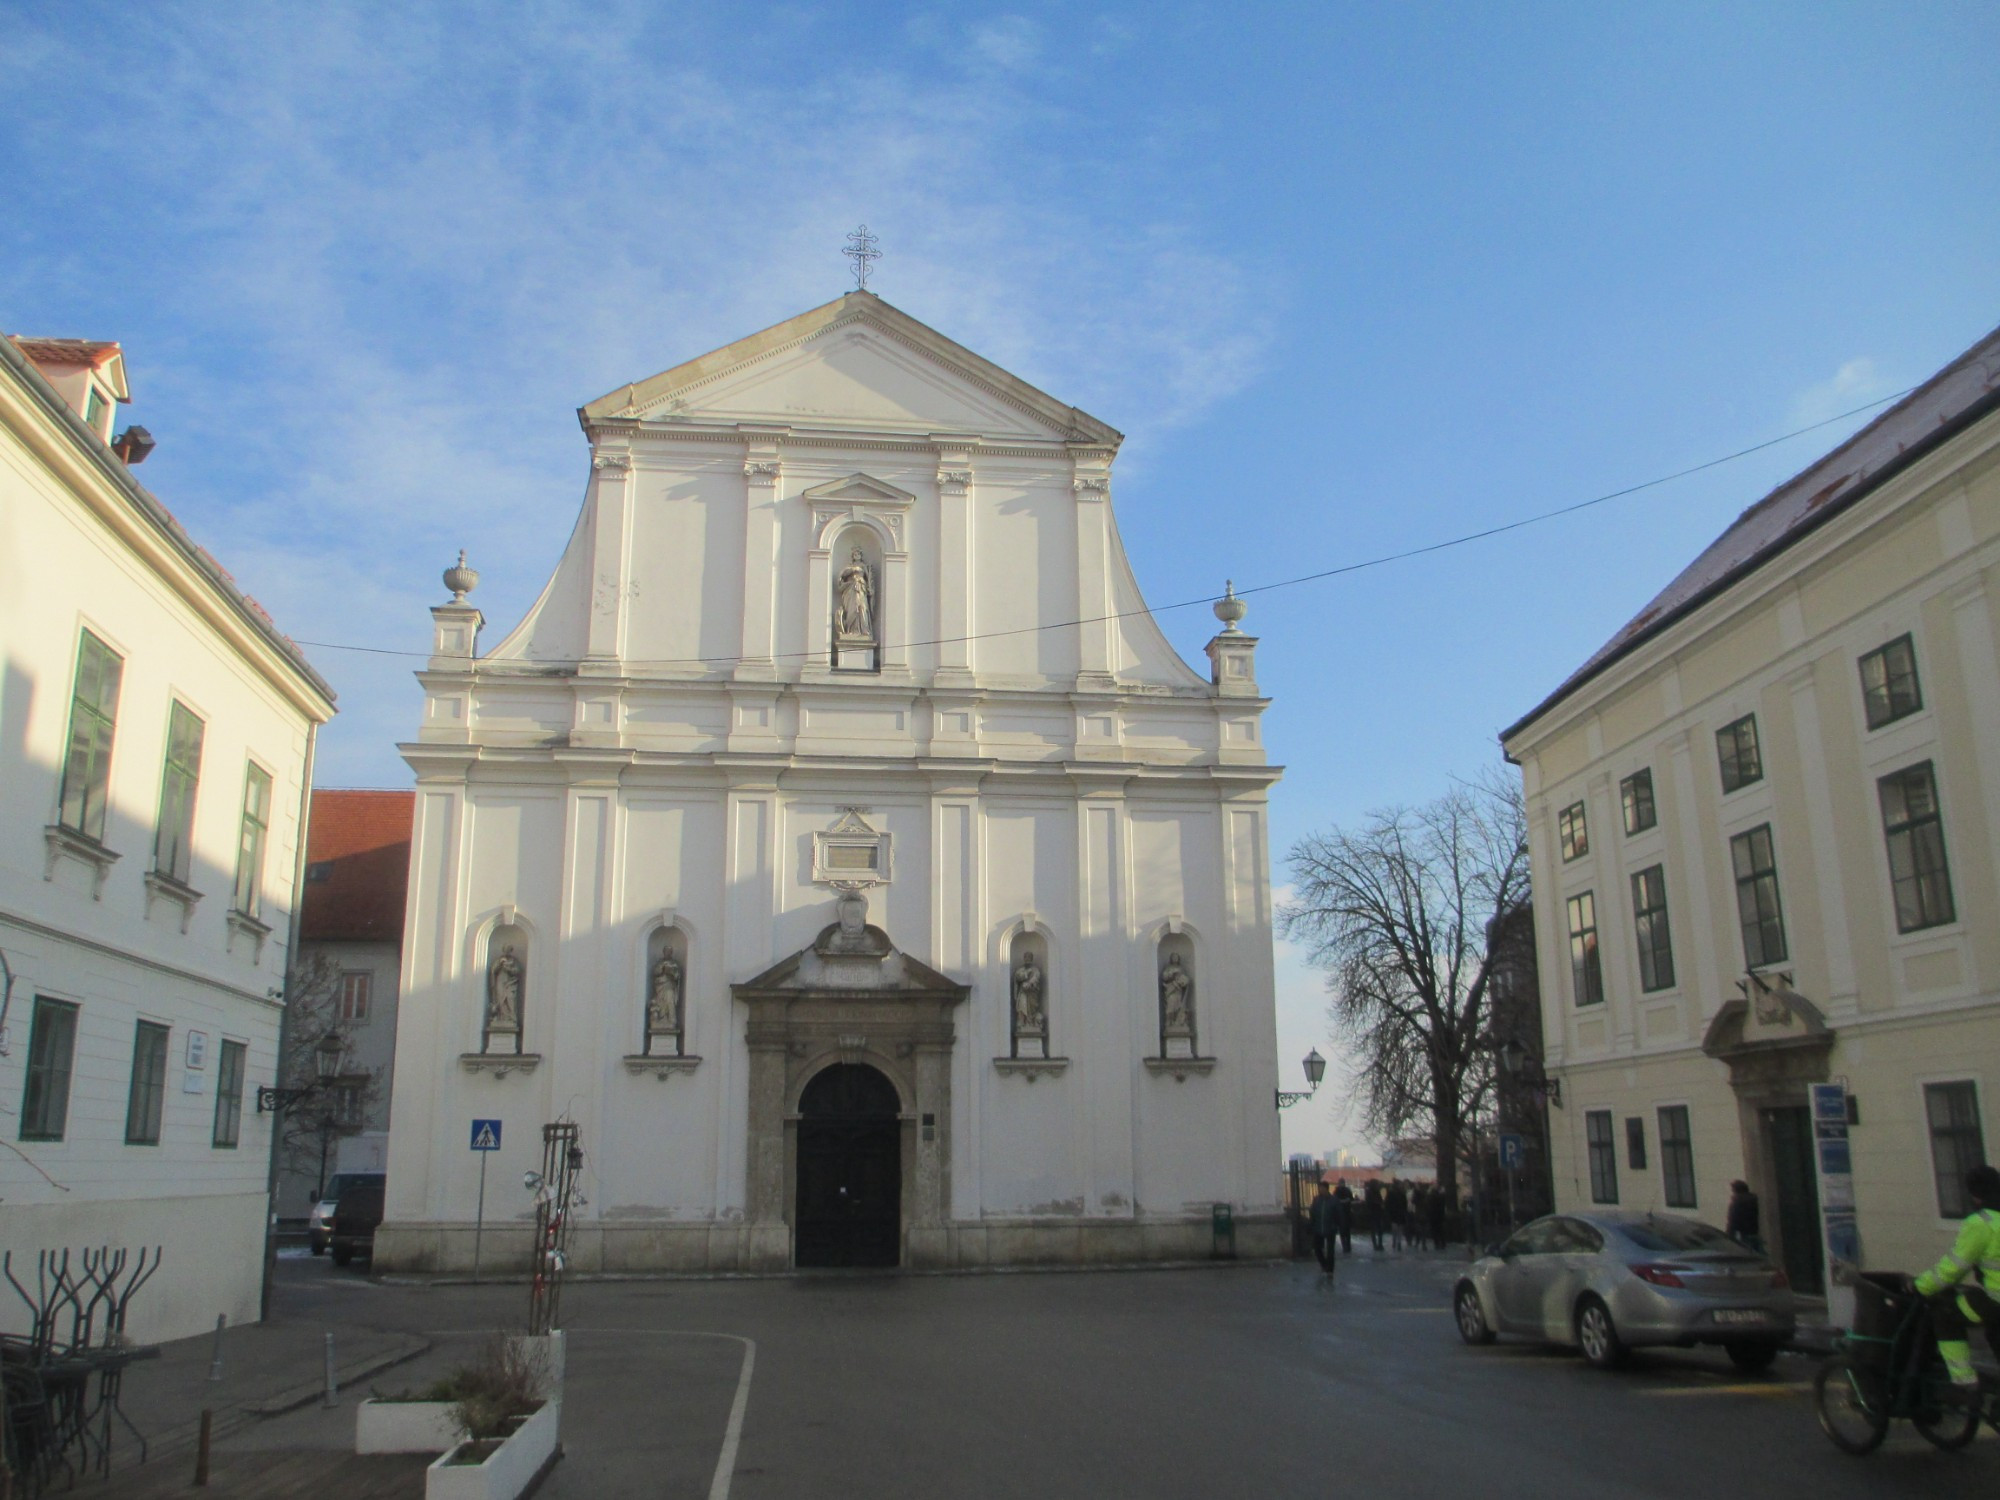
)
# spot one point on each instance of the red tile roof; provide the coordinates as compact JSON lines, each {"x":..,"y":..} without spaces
{"x":1963,"y":392}
{"x":357,"y":865}
{"x":91,"y":352}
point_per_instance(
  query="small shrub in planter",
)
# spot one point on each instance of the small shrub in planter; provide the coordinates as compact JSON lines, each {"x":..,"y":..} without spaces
{"x":508,"y":1382}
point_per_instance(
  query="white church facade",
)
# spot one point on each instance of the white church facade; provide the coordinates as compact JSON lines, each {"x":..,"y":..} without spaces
{"x":841,"y":846}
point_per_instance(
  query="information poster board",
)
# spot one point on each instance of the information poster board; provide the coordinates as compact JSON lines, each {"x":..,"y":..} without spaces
{"x":1833,"y":1161}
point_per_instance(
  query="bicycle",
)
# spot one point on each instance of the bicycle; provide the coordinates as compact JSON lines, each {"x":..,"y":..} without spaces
{"x":1887,"y":1368}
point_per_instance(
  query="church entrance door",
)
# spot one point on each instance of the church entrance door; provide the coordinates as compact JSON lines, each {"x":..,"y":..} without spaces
{"x":850,"y":1170}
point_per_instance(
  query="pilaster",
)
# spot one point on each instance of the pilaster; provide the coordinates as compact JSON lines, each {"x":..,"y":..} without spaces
{"x":1090,"y":482}
{"x":763,"y":469}
{"x":611,"y":583}
{"x":954,"y":580}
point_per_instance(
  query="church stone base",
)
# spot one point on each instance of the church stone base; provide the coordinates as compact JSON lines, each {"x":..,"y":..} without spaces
{"x":669,"y":1249}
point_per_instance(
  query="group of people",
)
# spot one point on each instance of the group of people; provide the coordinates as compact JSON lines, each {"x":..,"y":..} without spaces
{"x":1412,"y":1214}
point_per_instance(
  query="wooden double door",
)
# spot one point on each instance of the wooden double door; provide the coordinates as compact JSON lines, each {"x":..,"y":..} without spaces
{"x":849,"y":1209}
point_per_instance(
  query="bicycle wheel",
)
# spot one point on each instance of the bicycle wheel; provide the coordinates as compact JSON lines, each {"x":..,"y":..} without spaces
{"x":1943,"y":1425}
{"x":1853,"y":1405}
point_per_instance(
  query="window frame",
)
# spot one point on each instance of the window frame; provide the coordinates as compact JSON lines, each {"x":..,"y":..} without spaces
{"x":37,"y":1107}
{"x":231,"y":1066}
{"x":146,"y":1093}
{"x":1949,"y":1182}
{"x":1753,"y":884}
{"x":1652,"y":929}
{"x":246,"y":892}
{"x":180,"y":784}
{"x":1601,"y":1153}
{"x":1730,"y":742}
{"x":82,"y":800}
{"x":1629,"y":801}
{"x":1573,"y":832}
{"x":345,"y":1012}
{"x":1586,"y":962}
{"x":1678,"y":1184}
{"x":1927,"y":885}
{"x":1887,"y":688}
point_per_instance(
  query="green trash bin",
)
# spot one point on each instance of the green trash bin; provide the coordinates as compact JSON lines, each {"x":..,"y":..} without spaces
{"x":1222,"y":1225}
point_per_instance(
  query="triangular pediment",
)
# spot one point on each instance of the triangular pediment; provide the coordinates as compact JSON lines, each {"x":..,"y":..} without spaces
{"x":859,"y":489}
{"x":856,"y":365}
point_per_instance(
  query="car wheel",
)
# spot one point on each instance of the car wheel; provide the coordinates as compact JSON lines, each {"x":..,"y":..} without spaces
{"x":1471,"y":1317}
{"x":1597,"y":1335}
{"x":1751,"y":1355}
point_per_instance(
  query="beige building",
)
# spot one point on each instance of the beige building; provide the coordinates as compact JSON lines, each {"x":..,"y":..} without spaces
{"x":1765,"y":830}
{"x":156,"y":738}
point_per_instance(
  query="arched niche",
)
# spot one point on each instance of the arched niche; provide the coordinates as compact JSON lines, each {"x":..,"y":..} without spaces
{"x":504,"y":998}
{"x":856,"y":595}
{"x":1177,"y":988}
{"x":1029,"y":986}
{"x":663,"y":1014}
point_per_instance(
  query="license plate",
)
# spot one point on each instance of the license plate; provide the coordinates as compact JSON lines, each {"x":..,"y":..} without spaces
{"x":1739,"y":1315}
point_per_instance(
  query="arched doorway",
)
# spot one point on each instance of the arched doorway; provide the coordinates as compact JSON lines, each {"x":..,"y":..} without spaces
{"x":849,"y":1210}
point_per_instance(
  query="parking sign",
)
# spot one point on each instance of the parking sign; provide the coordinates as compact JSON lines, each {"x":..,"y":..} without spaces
{"x":1513,"y":1149}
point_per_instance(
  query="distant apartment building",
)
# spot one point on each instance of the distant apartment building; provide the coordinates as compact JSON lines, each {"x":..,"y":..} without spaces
{"x":156,"y":737}
{"x":345,"y":982}
{"x":1765,"y":829}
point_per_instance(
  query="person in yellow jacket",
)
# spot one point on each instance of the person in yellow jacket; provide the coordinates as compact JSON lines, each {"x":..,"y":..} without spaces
{"x":1964,"y":1287}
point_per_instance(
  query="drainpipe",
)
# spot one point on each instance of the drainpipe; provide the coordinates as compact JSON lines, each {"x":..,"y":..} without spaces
{"x":285,"y":1027}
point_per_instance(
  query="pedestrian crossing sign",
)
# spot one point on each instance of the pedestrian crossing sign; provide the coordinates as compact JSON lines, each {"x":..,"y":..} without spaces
{"x":485,"y":1135}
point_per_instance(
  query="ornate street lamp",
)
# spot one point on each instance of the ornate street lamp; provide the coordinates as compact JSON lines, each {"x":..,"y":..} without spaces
{"x":1315,"y":1067}
{"x":327,"y":1055}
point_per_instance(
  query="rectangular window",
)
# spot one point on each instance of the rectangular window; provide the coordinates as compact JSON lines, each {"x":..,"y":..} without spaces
{"x":1649,"y":918}
{"x":1757,"y":905}
{"x":1889,"y":689}
{"x":1603,"y":1156}
{"x":1585,"y":972}
{"x":51,"y":1051}
{"x":354,"y":991}
{"x":1915,"y":830}
{"x":1957,"y":1143}
{"x":1575,"y":835}
{"x":1677,"y":1156}
{"x":248,"y":894}
{"x":93,"y":410}
{"x":347,"y":1105}
{"x":1635,"y":1143}
{"x":148,"y":1095}
{"x":1635,"y":794}
{"x":229,"y":1095}
{"x":1736,"y":747}
{"x":93,"y":712}
{"x":173,"y":843}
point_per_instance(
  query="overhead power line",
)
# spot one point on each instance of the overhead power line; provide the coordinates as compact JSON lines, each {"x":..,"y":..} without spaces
{"x":1261,"y":588}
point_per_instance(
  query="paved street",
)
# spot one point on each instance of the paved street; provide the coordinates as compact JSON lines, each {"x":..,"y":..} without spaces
{"x":1234,"y":1381}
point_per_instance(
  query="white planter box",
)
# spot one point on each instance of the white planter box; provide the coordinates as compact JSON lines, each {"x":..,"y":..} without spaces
{"x":405,"y":1427}
{"x":508,"y":1470}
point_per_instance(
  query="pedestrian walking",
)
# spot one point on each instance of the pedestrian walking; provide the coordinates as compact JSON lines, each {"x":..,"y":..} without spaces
{"x":1343,"y":1214}
{"x":1325,"y":1225}
{"x":1398,"y":1202}
{"x":1371,"y":1200}
{"x":1742,"y":1223}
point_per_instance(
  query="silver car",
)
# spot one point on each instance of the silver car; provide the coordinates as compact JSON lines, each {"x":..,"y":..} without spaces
{"x":1608,"y":1282}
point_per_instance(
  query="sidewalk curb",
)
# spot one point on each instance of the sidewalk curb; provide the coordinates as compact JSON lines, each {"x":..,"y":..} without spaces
{"x":293,"y":1397}
{"x":575,"y":1278}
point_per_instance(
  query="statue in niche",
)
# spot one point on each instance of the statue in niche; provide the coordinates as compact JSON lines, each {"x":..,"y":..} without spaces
{"x":1030,"y":1017}
{"x":663,"y":995}
{"x":503,"y":992}
{"x":854,"y":618}
{"x":1176,"y":997}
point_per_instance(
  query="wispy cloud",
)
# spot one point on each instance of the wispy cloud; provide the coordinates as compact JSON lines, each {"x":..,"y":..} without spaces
{"x":1854,"y":382}
{"x":402,"y":246}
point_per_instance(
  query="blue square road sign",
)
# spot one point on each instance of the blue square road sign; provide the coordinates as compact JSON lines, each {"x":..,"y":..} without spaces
{"x":485,"y":1135}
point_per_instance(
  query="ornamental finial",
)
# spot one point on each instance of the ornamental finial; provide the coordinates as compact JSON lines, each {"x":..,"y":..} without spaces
{"x":460,"y":579}
{"x":861,"y":250}
{"x":1229,"y":609}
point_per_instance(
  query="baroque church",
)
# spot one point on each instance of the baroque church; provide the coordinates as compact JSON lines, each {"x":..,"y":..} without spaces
{"x":840,"y":845}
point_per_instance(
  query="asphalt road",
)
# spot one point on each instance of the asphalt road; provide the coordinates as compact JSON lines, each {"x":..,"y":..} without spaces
{"x":1202,"y":1383}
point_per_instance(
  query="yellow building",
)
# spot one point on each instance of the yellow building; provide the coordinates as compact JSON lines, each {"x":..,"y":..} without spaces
{"x":1765,"y":829}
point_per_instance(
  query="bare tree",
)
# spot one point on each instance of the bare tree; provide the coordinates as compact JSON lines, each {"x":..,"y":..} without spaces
{"x":315,"y":1121}
{"x":1401,"y":913}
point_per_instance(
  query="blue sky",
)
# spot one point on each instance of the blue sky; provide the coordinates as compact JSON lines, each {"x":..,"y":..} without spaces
{"x":1351,"y":278}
